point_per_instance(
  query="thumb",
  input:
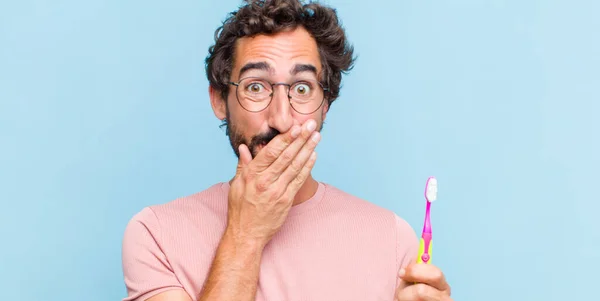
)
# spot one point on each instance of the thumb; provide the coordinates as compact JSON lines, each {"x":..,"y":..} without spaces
{"x":401,"y":284}
{"x":245,"y":156}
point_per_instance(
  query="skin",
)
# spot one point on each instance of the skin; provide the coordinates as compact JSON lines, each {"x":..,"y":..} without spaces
{"x":276,"y":177}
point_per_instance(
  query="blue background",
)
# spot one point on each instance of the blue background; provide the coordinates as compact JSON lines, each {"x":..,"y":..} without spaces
{"x":104,"y":110}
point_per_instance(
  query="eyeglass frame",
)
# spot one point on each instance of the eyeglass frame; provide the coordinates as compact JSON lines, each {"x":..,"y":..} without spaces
{"x":289,"y":87}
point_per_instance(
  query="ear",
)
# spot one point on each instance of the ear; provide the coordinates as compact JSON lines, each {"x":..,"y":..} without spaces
{"x":325,"y":110}
{"x":217,"y":102}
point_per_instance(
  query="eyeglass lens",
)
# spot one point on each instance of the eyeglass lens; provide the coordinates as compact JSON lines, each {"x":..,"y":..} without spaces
{"x":255,"y":94}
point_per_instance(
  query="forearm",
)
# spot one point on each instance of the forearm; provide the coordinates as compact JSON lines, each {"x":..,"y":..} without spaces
{"x":234,"y":271}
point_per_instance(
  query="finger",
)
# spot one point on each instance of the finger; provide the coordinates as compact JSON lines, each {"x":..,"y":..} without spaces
{"x":245,"y":154}
{"x":422,"y":292}
{"x":401,"y":284}
{"x":296,"y":183}
{"x":296,"y":154}
{"x":244,"y":159}
{"x":274,"y":148}
{"x":299,"y":162}
{"x":425,"y":273}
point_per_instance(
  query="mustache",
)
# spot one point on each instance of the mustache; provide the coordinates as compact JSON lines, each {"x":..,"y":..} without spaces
{"x":263,"y":138}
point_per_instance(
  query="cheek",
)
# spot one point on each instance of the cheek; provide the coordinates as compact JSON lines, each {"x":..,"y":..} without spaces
{"x":248,"y":123}
{"x":300,"y":119}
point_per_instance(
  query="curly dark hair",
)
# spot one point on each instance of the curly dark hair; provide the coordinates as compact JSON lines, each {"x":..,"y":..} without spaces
{"x":273,"y":16}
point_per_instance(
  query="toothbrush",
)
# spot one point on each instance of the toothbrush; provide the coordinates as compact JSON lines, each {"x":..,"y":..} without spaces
{"x":424,"y":255}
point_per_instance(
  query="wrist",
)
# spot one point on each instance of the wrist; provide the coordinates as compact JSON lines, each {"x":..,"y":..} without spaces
{"x":243,"y":237}
{"x":243,"y":250}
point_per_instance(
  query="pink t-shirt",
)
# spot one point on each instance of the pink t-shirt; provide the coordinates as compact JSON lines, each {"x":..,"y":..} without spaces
{"x":333,"y":247}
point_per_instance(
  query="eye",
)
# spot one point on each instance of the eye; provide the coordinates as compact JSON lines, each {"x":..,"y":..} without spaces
{"x":255,"y":88}
{"x":302,"y":89}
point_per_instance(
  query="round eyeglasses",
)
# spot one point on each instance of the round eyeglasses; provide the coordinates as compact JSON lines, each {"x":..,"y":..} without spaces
{"x":255,"y":94}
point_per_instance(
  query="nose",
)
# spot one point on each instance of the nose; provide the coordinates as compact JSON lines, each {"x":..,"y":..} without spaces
{"x":280,"y":111}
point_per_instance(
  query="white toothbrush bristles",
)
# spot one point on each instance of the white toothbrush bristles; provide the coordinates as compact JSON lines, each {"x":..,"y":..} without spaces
{"x":431,"y":192}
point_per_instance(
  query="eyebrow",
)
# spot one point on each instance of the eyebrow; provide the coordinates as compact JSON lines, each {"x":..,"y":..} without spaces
{"x":264,"y":66}
{"x":255,"y":66}
{"x":303,"y":68}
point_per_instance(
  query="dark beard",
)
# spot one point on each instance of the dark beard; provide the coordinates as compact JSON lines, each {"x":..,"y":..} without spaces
{"x":236,"y":138}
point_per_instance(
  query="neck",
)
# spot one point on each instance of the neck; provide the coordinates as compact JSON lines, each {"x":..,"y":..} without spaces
{"x":307,"y":191}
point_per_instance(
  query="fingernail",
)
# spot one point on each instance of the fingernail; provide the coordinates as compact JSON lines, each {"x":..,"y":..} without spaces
{"x":316,"y":136}
{"x":402,"y":272}
{"x":295,"y":131}
{"x":311,"y":126}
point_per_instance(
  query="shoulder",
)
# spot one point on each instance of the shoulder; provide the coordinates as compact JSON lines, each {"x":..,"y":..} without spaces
{"x":212,"y":199}
{"x":383,"y":221}
{"x":209,"y":202}
{"x":351,"y":204}
{"x":354,"y":204}
{"x":154,"y":237}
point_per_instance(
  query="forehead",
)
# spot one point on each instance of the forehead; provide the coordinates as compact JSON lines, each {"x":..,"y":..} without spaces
{"x":282,"y":52}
